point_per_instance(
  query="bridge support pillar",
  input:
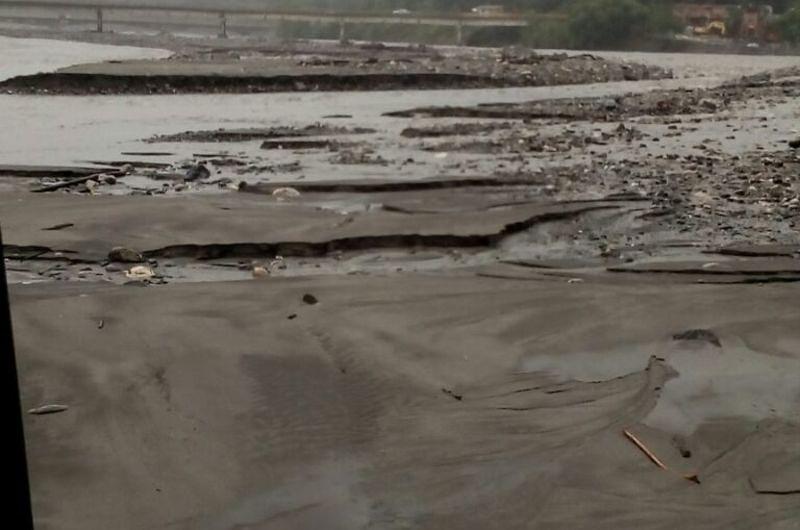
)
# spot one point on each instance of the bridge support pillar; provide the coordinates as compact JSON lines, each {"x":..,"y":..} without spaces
{"x":99,"y":13}
{"x":342,"y":32}
{"x":223,"y":26}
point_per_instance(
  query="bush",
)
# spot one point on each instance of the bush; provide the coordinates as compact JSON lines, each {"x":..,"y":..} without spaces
{"x":788,"y":26}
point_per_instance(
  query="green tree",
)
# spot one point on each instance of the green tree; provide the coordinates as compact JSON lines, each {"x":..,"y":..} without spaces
{"x":617,"y":23}
{"x":788,"y":25}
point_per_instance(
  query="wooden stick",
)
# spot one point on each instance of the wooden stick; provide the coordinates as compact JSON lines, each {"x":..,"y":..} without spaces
{"x":643,"y":448}
{"x":653,"y":458}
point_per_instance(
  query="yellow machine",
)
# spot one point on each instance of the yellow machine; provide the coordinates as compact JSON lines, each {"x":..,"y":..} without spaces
{"x":715,"y":27}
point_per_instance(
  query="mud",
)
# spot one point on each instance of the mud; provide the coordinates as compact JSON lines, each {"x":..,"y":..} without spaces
{"x":405,"y":320}
{"x":525,"y":398}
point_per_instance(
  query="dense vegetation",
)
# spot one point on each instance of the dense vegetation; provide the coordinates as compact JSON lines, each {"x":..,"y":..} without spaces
{"x":788,"y":25}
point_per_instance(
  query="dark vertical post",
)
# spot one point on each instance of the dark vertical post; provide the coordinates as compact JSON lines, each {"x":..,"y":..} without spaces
{"x":223,"y":26}
{"x":19,"y":509}
{"x":99,"y":20}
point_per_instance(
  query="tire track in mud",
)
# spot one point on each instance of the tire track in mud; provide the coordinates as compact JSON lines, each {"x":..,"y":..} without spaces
{"x":328,"y":397}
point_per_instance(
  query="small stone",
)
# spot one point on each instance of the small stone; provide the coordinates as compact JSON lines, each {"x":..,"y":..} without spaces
{"x":708,"y":105}
{"x":197,"y":172}
{"x":140,"y":272}
{"x":125,"y":255}
{"x":310,"y":299}
{"x":285,"y":193}
{"x":48,"y":409}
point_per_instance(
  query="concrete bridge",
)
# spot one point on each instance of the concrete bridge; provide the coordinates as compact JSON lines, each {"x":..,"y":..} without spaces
{"x":223,"y":18}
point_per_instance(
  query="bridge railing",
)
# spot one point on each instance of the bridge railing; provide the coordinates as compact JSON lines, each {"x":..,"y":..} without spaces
{"x":223,"y":16}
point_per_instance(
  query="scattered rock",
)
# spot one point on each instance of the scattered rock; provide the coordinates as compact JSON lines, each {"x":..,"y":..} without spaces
{"x":310,"y":299}
{"x":197,"y":172}
{"x":707,"y":104}
{"x":125,"y":255}
{"x":355,"y":157}
{"x":260,"y":272}
{"x":285,"y":193}
{"x":140,"y":272}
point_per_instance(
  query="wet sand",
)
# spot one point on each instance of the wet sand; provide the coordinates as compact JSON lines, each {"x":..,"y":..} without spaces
{"x":410,"y":401}
{"x":461,"y":317}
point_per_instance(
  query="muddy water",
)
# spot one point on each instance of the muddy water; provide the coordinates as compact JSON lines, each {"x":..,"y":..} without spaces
{"x":32,"y":56}
{"x":64,"y":130}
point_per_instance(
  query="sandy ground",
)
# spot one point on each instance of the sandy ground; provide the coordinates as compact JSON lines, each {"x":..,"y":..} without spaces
{"x":462,"y":313}
{"x":410,"y":402}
